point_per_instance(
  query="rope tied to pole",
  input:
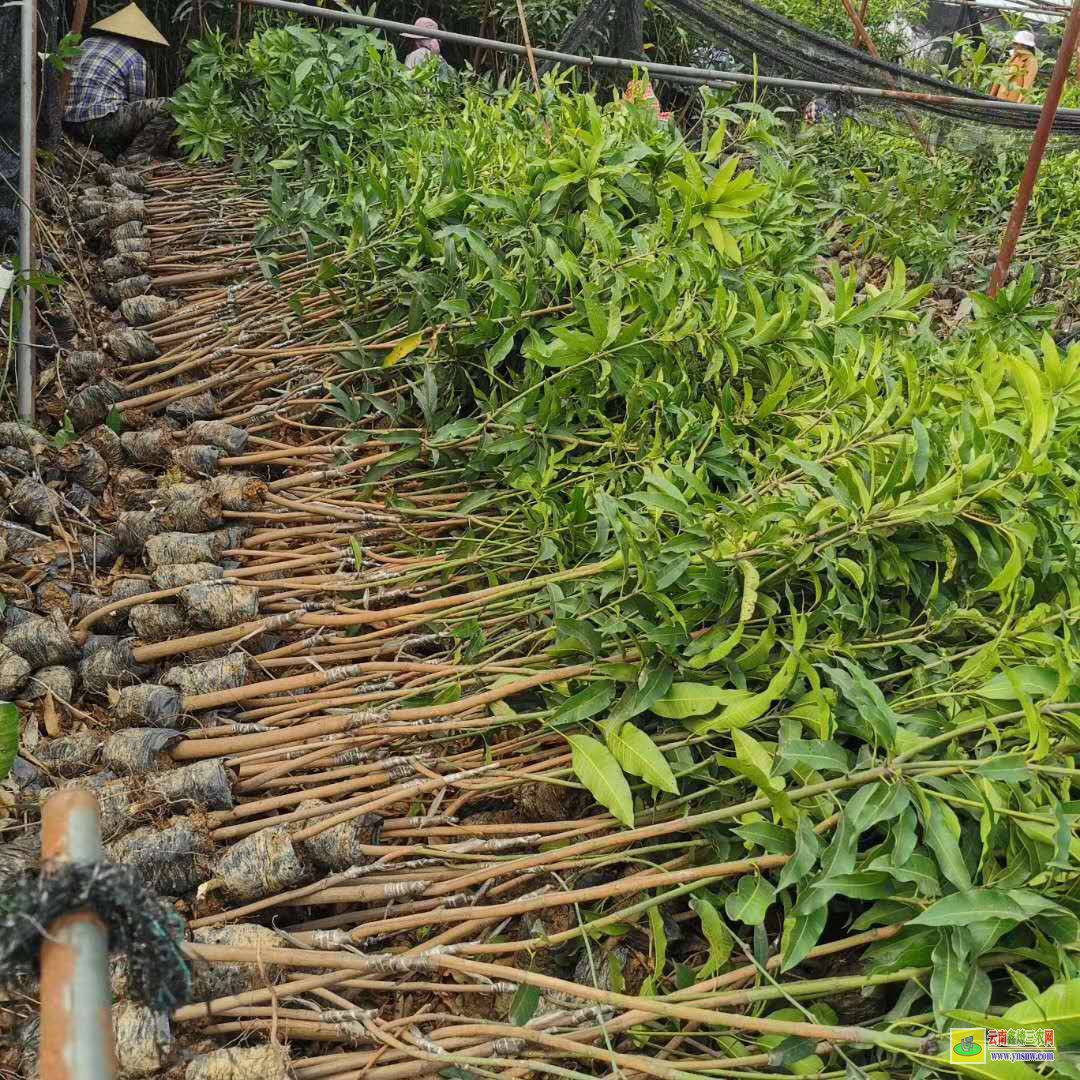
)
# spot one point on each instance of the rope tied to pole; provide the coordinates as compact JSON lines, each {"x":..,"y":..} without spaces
{"x":142,"y":926}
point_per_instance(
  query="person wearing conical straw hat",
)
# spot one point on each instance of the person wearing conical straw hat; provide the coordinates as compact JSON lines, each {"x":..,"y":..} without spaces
{"x":107,"y":104}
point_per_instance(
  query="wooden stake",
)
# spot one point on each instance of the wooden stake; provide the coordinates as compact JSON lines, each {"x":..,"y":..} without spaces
{"x":528,"y":48}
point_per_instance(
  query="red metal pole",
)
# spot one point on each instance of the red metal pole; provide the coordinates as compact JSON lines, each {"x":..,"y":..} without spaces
{"x":1038,"y":148}
{"x":76,"y":28}
{"x":76,"y":1016}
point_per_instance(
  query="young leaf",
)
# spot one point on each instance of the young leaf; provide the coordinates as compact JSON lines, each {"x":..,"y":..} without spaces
{"x":942,"y":834}
{"x":685,"y":699}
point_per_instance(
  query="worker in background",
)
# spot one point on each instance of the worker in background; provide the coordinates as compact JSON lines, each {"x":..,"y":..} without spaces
{"x":107,"y":104}
{"x":426,"y":48}
{"x":1020,"y":69}
{"x":640,"y":92}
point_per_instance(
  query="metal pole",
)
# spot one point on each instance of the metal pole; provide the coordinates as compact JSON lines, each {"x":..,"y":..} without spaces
{"x":77,"y":21}
{"x":660,"y":71}
{"x":1038,"y":148}
{"x":872,"y":49}
{"x":76,"y":1002}
{"x":24,"y":348}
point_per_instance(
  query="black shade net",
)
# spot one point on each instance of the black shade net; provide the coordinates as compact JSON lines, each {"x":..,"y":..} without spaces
{"x":739,"y":35}
{"x":781,"y":47}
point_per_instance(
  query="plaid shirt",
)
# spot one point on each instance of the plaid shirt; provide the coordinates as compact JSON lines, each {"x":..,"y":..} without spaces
{"x":107,"y":75}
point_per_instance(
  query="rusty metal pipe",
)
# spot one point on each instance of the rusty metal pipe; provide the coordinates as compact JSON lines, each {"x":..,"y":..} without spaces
{"x":1038,"y":147}
{"x":76,"y":1002}
{"x":77,"y":21}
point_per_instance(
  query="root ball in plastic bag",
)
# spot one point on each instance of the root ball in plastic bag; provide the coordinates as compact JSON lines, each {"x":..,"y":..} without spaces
{"x":204,"y":784}
{"x":198,"y":460}
{"x":134,"y":751}
{"x":173,"y":860}
{"x":21,"y":435}
{"x":148,"y":703}
{"x":80,"y":366}
{"x":42,"y":642}
{"x":93,"y":403}
{"x":157,"y":622}
{"x":34,"y":502}
{"x":193,"y":513}
{"x":143,"y":1040}
{"x":215,"y":605}
{"x":197,"y":407}
{"x":209,"y":677}
{"x":240,"y":1063}
{"x":84,"y":465}
{"x":239,"y":492}
{"x":174,"y":577}
{"x":14,"y":671}
{"x":131,"y":345}
{"x":339,"y":847}
{"x":170,"y":548}
{"x":57,"y":680}
{"x":225,"y":436}
{"x":120,"y":213}
{"x":71,"y":755}
{"x":110,"y":664}
{"x":140,"y":310}
{"x":209,"y":981}
{"x":260,"y":865}
{"x":125,"y":265}
{"x":151,"y":446}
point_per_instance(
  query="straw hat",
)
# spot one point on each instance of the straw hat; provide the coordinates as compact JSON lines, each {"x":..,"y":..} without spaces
{"x":131,"y":22}
{"x":1025,"y":38}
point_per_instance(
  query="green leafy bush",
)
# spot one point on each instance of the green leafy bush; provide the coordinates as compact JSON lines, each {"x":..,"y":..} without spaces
{"x":817,"y":565}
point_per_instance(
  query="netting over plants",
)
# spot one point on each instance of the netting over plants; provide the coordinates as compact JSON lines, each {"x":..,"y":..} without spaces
{"x":781,"y":47}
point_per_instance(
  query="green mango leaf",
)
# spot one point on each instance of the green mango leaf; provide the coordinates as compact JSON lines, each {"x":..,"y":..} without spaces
{"x":972,"y":905}
{"x":686,"y":699}
{"x":585,"y":703}
{"x":807,"y":846}
{"x":9,"y":736}
{"x":942,"y":832}
{"x":1058,"y":1007}
{"x":1036,"y":682}
{"x":751,"y":900}
{"x":595,"y":766}
{"x":716,"y":934}
{"x":652,"y":684}
{"x":524,"y":1004}
{"x":640,"y":756}
{"x":801,"y":934}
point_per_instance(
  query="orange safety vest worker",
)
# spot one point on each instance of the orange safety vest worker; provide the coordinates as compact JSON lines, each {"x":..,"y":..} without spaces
{"x":1023,"y":66}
